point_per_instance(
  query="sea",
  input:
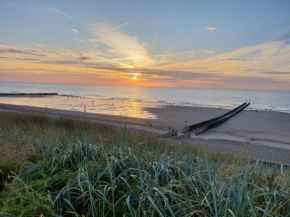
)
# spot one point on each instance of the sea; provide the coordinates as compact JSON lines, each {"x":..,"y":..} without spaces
{"x":132,"y":101}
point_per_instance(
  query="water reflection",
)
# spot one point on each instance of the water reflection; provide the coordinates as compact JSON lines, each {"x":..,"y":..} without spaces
{"x":108,"y":99}
{"x":91,"y":105}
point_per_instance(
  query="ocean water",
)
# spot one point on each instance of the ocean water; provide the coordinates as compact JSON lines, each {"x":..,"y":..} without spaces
{"x":131,"y":101}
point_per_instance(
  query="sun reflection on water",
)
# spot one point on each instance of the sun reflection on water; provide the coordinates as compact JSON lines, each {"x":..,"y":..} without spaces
{"x":92,"y":105}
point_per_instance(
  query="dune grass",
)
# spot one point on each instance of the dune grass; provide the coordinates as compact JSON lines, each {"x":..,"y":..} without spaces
{"x":62,"y":167}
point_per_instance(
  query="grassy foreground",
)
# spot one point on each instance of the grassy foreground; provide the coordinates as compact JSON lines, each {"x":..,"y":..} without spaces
{"x":62,"y":167}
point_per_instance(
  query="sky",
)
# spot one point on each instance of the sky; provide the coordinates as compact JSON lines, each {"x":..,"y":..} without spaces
{"x":195,"y":43}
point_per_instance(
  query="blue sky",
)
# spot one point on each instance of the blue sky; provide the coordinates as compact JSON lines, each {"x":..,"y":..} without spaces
{"x":172,"y":33}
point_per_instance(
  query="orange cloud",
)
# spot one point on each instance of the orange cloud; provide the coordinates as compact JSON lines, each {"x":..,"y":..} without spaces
{"x":123,"y":44}
{"x":261,"y":66}
{"x":75,"y":31}
{"x":39,"y":45}
{"x":211,"y":28}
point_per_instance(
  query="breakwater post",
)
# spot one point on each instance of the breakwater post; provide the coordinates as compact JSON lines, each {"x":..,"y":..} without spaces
{"x":28,"y":94}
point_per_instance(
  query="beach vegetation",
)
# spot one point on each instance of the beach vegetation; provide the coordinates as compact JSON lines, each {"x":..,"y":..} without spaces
{"x":63,"y":167}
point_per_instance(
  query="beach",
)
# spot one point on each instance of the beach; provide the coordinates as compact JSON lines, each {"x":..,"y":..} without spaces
{"x":262,"y":135}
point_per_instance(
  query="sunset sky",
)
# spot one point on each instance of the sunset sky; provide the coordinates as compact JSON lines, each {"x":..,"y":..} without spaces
{"x":197,"y":43}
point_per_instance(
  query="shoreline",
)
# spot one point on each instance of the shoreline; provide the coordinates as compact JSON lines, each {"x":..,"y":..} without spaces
{"x":264,"y":135}
{"x":157,"y":104}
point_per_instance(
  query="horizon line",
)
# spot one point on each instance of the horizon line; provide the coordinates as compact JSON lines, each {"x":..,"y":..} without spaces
{"x":111,"y":85}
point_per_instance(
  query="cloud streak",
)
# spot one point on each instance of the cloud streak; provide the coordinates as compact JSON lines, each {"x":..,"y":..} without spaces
{"x":39,"y":45}
{"x":211,"y":28}
{"x":34,"y":8}
{"x":264,"y":65}
{"x":124,"y":24}
{"x":75,"y":31}
{"x":57,"y":11}
{"x":124,"y":45}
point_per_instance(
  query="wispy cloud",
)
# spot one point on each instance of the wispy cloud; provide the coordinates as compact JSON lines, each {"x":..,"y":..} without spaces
{"x":264,"y":65}
{"x":57,"y":11}
{"x":124,"y":24}
{"x":33,"y":6}
{"x":41,"y":52}
{"x":211,"y":28}
{"x":17,"y":51}
{"x":75,"y":31}
{"x":276,"y":73}
{"x":80,"y":40}
{"x":156,"y":56}
{"x":61,"y":56}
{"x":125,"y":45}
{"x":39,"y":45}
{"x":270,"y":56}
{"x":283,"y":34}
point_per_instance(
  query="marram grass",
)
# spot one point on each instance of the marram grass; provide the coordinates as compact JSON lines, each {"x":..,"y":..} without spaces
{"x":62,"y":167}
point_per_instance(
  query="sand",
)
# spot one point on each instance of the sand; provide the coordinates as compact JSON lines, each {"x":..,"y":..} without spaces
{"x":262,"y":127}
{"x":262,"y":135}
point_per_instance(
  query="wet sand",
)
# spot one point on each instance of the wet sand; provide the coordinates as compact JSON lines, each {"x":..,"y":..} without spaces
{"x":263,"y":135}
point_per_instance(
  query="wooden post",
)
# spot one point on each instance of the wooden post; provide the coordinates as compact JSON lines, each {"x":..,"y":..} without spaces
{"x":281,"y":168}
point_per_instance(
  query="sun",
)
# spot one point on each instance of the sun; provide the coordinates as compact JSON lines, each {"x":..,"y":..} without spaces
{"x":135,"y":76}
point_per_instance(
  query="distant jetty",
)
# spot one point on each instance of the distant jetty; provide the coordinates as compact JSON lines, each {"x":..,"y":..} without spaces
{"x":28,"y":94}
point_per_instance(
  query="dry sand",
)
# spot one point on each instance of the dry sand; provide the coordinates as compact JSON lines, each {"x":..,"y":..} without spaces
{"x":263,"y":135}
{"x":262,"y":127}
